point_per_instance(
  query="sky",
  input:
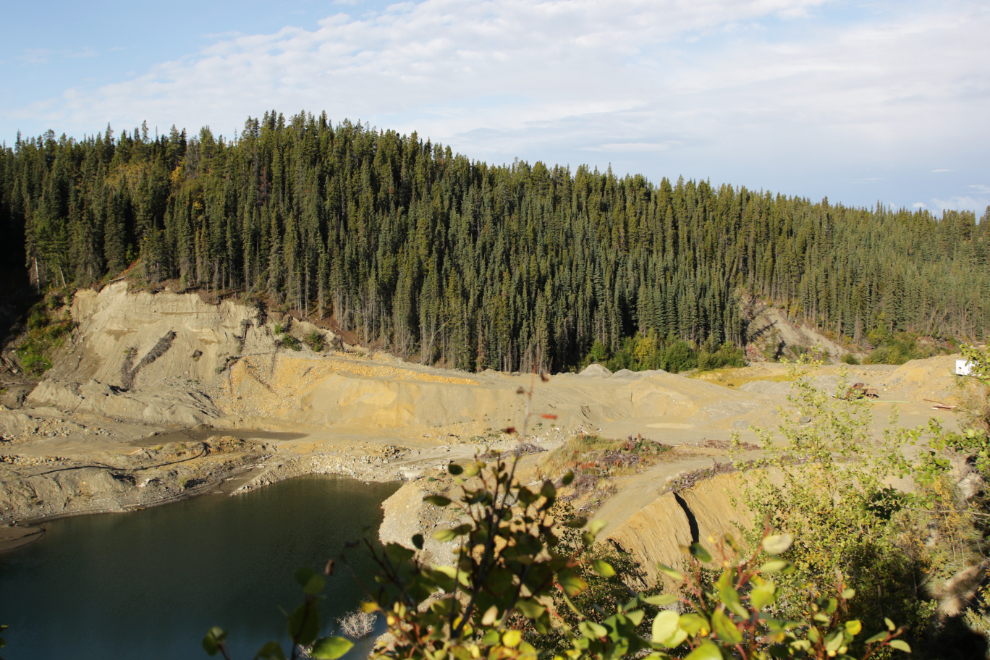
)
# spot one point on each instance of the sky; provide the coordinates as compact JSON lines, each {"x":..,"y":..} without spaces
{"x":862,"y":102}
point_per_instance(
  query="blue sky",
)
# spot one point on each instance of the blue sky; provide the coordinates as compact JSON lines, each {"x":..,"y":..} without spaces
{"x":863,"y":102}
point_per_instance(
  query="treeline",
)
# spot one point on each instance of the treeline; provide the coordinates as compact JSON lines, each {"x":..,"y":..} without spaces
{"x":420,"y":249}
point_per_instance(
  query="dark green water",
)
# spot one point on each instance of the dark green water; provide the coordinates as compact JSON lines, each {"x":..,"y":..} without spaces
{"x":148,"y":584}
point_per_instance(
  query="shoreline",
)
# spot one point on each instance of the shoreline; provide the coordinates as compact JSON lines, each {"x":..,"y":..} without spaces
{"x":242,"y":480}
{"x":17,"y":535}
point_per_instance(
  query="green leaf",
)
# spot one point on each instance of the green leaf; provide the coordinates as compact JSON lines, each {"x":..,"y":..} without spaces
{"x":211,"y":643}
{"x":311,"y":581}
{"x":511,"y":638}
{"x":890,"y":624}
{"x":330,"y":648}
{"x":304,"y":624}
{"x":490,"y":638}
{"x":417,"y":540}
{"x":398,"y":553}
{"x":900,"y":645}
{"x":270,"y":651}
{"x":576,"y":523}
{"x":848,"y":593}
{"x":548,"y":490}
{"x":879,"y":637}
{"x":676,"y":639}
{"x":662,"y":599}
{"x":304,"y":575}
{"x":445,"y":535}
{"x":315,"y":585}
{"x":596,"y":526}
{"x":471,"y":470}
{"x":834,"y":641}
{"x":592,"y":630}
{"x":665,"y":625}
{"x":725,"y":629}
{"x":671,"y":573}
{"x":777,"y":543}
{"x":455,"y":469}
{"x":762,"y":595}
{"x":437,"y":500}
{"x":603,"y":568}
{"x":692,"y":624}
{"x":727,"y":592}
{"x":572,"y":583}
{"x":774,"y":566}
{"x":636,"y":616}
{"x":530,"y":609}
{"x":706,"y":651}
{"x":854,"y":627}
{"x":698,"y":552}
{"x":568,"y":478}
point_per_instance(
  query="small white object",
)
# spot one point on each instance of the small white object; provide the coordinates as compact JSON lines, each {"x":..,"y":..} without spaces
{"x":963,"y":367}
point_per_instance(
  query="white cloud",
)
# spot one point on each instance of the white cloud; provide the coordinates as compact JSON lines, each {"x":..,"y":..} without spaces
{"x":79,"y":54}
{"x":962,"y":203}
{"x":918,"y":205}
{"x":45,"y":55}
{"x":626,"y":147}
{"x":36,"y":56}
{"x":749,"y":85}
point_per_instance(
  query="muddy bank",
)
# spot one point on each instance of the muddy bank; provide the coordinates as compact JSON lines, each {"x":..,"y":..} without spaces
{"x":14,"y":536}
{"x":34,"y":489}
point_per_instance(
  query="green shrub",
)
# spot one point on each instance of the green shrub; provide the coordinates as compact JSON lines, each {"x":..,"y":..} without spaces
{"x":896,"y":349}
{"x":646,"y":352}
{"x":315,"y":341}
{"x":726,"y":355}
{"x":292,"y":343}
{"x":831,"y":484}
{"x":46,"y":333}
{"x":849,"y":358}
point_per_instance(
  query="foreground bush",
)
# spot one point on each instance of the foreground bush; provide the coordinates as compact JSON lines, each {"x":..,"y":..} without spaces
{"x":510,"y":567}
{"x":522,"y":587}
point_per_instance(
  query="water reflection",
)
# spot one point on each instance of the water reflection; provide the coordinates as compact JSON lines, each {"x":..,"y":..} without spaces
{"x":149,"y":584}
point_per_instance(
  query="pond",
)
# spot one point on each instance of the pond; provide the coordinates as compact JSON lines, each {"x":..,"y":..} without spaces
{"x":149,"y":584}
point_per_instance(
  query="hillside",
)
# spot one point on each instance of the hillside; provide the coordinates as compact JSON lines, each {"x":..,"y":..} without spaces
{"x":227,"y":404}
{"x":402,"y":244}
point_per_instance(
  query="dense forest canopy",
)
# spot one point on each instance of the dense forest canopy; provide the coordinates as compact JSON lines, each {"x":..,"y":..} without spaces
{"x":421,"y":249}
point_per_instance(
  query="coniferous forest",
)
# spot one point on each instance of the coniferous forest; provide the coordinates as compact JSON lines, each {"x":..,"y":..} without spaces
{"x":422,"y":250}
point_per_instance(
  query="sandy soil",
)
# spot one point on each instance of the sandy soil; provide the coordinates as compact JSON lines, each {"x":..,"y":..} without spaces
{"x":161,"y":397}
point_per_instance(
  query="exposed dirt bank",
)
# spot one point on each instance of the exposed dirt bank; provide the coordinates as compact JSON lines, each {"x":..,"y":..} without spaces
{"x":160,"y":397}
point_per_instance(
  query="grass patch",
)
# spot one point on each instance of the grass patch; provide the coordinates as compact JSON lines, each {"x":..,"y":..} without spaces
{"x":48,"y":325}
